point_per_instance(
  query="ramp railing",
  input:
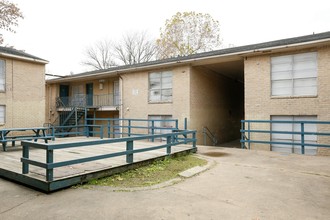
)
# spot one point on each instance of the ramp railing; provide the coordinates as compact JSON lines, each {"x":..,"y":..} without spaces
{"x":188,"y":137}
{"x":298,"y":134}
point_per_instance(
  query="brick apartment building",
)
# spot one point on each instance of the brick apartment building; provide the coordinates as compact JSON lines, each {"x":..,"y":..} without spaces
{"x":22,"y":90}
{"x":284,"y":79}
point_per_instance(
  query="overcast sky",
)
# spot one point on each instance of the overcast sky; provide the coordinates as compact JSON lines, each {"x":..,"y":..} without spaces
{"x":60,"y":30}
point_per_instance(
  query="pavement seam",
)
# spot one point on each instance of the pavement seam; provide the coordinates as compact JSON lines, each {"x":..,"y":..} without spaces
{"x":18,"y":205}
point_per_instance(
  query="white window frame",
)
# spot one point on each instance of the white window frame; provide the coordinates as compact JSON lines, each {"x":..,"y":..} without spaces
{"x":2,"y":114}
{"x":2,"y":75}
{"x":294,"y":75}
{"x":162,"y":88}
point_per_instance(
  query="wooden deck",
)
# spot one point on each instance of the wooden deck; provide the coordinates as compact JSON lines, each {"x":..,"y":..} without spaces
{"x":11,"y":165}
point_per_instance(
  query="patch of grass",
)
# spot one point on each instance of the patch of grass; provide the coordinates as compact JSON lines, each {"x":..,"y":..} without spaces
{"x":155,"y":173}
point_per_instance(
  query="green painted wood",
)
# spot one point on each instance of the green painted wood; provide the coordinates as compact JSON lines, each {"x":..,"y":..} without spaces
{"x":302,"y":133}
{"x":129,"y":150}
{"x":25,"y":166}
{"x":169,"y":142}
{"x":49,"y":160}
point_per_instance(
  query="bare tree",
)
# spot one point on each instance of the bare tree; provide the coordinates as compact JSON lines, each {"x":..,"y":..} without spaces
{"x":135,"y":48}
{"x":100,"y":56}
{"x":9,"y":15}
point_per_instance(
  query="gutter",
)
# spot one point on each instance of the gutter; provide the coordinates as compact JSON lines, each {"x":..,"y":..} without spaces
{"x":24,"y":58}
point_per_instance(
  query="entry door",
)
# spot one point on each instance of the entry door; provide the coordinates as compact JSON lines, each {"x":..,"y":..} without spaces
{"x":64,"y":94}
{"x":89,"y":94}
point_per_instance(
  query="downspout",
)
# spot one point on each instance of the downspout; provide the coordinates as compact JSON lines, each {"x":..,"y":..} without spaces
{"x":12,"y":93}
{"x":121,"y":111}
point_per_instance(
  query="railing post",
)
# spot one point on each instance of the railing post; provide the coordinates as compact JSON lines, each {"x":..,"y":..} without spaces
{"x":53,"y":133}
{"x":25,"y":166}
{"x":101,"y":131}
{"x":302,"y":138}
{"x":129,"y":156}
{"x":76,"y":119}
{"x":129,"y":127}
{"x":85,"y":116}
{"x":169,"y":146}
{"x":249,"y":135}
{"x":49,"y":159}
{"x":194,"y":140}
{"x":242,"y":134}
{"x":108,"y":128}
{"x":152,"y":130}
{"x":87,"y":130}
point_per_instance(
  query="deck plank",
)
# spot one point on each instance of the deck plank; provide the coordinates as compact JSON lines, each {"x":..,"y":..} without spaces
{"x":10,"y":160}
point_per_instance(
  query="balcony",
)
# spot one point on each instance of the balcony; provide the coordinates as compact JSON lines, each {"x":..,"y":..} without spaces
{"x":105,"y":102}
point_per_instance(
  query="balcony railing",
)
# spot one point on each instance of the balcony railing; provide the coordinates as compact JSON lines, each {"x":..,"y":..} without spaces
{"x":82,"y":100}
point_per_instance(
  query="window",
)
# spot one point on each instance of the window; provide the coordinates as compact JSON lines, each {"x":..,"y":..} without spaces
{"x":2,"y":75}
{"x":293,"y":127}
{"x":294,"y":75}
{"x":160,"y":125}
{"x":2,"y":114}
{"x":160,"y":87}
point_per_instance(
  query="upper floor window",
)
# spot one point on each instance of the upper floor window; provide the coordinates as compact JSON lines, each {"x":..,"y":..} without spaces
{"x":2,"y":75}
{"x":160,"y":86}
{"x":294,"y":75}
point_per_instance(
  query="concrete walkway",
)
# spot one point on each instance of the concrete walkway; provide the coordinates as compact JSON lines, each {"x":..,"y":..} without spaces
{"x":243,"y":184}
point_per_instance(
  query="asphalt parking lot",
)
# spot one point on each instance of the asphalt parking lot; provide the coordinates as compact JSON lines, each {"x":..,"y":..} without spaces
{"x":241,"y":184}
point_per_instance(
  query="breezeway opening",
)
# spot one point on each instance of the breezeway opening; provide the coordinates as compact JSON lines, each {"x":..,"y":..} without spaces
{"x":217,"y":100}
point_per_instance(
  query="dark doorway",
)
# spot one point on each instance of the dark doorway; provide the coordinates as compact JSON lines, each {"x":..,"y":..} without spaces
{"x":89,"y":94}
{"x":64,"y":94}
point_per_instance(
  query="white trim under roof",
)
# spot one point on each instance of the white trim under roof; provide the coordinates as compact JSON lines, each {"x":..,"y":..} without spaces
{"x":23,"y":58}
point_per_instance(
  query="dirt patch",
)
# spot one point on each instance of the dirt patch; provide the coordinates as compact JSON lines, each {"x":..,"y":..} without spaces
{"x":215,"y":154}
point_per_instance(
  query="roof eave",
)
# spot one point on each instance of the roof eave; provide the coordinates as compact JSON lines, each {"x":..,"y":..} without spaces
{"x":188,"y":61}
{"x":24,"y":58}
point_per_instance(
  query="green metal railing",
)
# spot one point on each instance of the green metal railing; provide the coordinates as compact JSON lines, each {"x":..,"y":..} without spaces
{"x":247,"y":133}
{"x":78,"y":130}
{"x":83,"y":100}
{"x":49,"y":165}
{"x":123,"y":127}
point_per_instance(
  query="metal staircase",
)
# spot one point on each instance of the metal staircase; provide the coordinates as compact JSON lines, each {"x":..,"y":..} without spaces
{"x":71,"y":118}
{"x":67,"y":120}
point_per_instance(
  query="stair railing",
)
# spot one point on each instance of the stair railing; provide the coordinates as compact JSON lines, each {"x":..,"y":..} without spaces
{"x":208,"y":134}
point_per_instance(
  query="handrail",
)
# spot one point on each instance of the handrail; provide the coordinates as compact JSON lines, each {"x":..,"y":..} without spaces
{"x":81,"y":130}
{"x":133,"y":127}
{"x":83,"y":100}
{"x":302,"y":134}
{"x":210,"y":135}
{"x":171,"y":140}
